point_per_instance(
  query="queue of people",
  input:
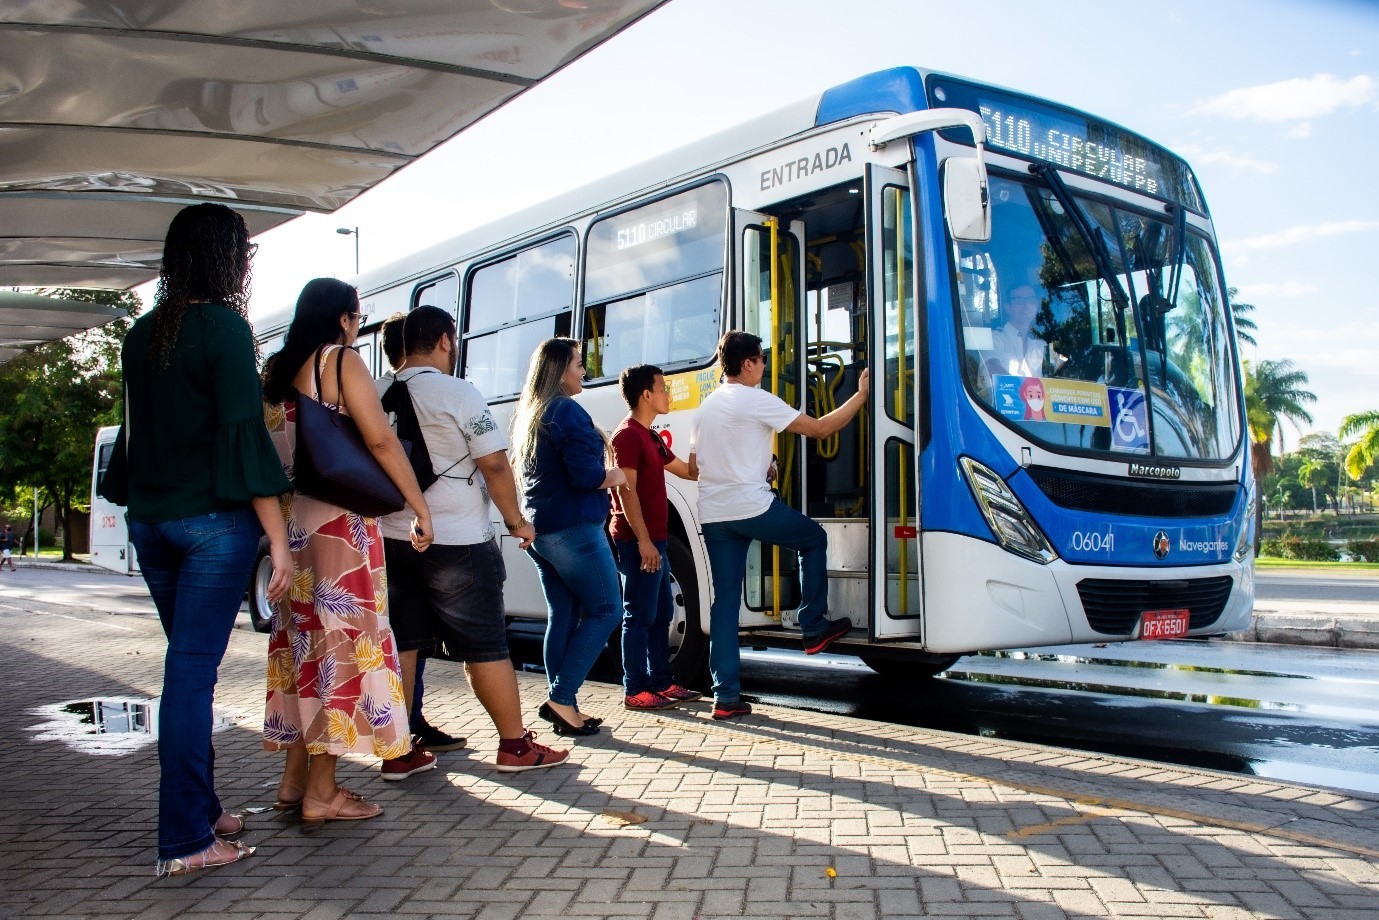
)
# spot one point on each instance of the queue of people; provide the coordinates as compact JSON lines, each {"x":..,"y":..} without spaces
{"x":358,"y":602}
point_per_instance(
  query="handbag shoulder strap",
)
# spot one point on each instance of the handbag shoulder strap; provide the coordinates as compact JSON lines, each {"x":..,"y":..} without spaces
{"x":321,"y":357}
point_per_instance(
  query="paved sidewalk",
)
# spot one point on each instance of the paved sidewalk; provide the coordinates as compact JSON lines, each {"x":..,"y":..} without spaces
{"x":663,"y":816}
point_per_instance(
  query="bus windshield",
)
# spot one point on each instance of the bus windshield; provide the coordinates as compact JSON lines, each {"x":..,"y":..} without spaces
{"x":1093,"y":327}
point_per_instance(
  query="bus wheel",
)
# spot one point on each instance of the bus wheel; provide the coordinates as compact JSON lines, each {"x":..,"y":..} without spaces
{"x":688,"y":645}
{"x":260,"y":611}
{"x":909,"y":667}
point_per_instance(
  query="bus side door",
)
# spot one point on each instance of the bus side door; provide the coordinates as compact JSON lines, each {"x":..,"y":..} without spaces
{"x":770,"y":304}
{"x":896,"y":574}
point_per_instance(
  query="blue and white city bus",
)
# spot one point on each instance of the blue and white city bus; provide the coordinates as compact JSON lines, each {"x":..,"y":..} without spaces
{"x":1096,"y":489}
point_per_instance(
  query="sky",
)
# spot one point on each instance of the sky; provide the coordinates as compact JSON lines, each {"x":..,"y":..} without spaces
{"x":1274,"y":103}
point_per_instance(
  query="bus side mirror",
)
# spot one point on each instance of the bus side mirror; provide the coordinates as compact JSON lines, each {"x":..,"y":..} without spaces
{"x":966,"y":199}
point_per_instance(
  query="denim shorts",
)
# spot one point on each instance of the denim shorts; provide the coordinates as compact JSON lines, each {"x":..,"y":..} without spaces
{"x":450,"y":593}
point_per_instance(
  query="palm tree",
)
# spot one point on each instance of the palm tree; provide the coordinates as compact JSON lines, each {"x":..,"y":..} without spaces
{"x":1365,"y":451}
{"x":1244,"y":326}
{"x":1312,"y":471}
{"x":1273,"y":391}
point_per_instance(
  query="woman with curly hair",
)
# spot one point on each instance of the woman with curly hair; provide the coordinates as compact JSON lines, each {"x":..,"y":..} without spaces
{"x":564,"y":463}
{"x":334,"y":685}
{"x":203,"y":487}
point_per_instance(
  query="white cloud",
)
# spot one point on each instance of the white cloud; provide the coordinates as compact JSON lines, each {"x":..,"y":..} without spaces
{"x":1237,"y":162}
{"x":1292,"y":100}
{"x":1295,"y":235}
{"x":1276,"y":290}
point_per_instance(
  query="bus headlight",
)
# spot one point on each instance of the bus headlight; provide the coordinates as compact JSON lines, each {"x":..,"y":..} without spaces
{"x":1015,"y":530}
{"x":1245,"y":544}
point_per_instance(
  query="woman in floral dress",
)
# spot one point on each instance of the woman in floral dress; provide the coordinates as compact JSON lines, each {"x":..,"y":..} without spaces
{"x":333,"y":680}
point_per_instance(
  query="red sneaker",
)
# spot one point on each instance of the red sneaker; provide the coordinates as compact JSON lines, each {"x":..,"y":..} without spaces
{"x":415,"y":761}
{"x":648,"y":699}
{"x":681,"y":694}
{"x":732,"y":710}
{"x":537,"y":757}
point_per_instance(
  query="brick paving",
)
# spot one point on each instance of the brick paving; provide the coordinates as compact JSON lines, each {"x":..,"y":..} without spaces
{"x":668,"y":816}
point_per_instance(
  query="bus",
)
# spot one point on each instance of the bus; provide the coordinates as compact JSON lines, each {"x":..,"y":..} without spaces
{"x":1097,"y":489}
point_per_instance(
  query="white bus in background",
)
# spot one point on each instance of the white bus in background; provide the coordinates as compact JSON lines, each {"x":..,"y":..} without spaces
{"x":110,"y":546}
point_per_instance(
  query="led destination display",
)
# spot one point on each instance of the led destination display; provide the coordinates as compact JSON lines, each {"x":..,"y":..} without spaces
{"x":1070,"y":141}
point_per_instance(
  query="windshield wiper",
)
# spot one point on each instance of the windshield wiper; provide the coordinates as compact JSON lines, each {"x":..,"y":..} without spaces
{"x":1095,"y":245}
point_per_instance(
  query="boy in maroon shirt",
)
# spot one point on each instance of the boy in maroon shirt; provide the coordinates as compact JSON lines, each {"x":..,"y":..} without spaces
{"x":639,"y":529}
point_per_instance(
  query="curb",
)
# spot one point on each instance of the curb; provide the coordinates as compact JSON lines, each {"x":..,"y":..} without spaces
{"x":1312,"y":629}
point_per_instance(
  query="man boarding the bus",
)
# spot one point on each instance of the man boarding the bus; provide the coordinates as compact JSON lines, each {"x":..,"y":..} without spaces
{"x":640,"y":541}
{"x":454,"y":591}
{"x":730,"y":453}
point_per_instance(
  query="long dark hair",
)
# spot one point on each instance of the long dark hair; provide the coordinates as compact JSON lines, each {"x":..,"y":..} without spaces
{"x":315,"y":323}
{"x":206,"y":259}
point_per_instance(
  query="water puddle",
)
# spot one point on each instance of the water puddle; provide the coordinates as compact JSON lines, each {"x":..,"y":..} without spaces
{"x":109,"y":726}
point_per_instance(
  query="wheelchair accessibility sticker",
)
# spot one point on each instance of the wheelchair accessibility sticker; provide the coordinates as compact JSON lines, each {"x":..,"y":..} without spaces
{"x":1129,"y":420}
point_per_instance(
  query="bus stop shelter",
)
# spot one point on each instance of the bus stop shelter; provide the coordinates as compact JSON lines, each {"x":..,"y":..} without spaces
{"x":114,"y":115}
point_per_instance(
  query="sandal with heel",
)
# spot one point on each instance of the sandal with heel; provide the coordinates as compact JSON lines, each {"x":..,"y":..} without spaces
{"x":561,"y":727}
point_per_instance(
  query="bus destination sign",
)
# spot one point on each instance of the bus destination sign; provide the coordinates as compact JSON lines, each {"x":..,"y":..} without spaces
{"x":1070,"y":140}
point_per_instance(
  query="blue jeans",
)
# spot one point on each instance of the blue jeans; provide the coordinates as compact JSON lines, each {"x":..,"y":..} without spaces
{"x":647,"y":609}
{"x":727,"y":543}
{"x":196,"y":569}
{"x":580,"y":582}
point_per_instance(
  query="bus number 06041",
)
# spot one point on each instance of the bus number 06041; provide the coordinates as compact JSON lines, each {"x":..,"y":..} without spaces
{"x":1094,"y":542}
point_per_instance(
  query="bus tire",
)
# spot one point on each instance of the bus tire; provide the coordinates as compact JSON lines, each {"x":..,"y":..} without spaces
{"x":909,"y":667}
{"x":689,"y":646}
{"x":260,"y":611}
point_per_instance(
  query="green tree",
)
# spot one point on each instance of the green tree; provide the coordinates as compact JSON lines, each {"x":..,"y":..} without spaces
{"x":58,"y":394}
{"x":1274,"y":390}
{"x":1245,"y":328}
{"x":1364,"y":451}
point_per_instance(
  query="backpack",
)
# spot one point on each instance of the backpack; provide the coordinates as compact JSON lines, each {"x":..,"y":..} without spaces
{"x":398,"y":402}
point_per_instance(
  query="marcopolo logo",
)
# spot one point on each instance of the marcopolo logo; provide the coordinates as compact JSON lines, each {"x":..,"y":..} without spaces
{"x":1161,"y":544}
{"x":1155,"y":471}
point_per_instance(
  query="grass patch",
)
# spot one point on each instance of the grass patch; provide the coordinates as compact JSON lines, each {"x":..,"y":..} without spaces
{"x":1269,"y":562}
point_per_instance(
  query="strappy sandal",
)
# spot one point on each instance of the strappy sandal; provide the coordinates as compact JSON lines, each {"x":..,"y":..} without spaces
{"x":220,"y":853}
{"x":334,"y":810}
{"x":229,"y":826}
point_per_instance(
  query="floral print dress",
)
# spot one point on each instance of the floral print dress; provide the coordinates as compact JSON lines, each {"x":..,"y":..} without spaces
{"x":333,"y":678}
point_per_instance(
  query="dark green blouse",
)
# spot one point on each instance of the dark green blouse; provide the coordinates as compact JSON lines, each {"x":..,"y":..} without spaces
{"x":196,"y":438}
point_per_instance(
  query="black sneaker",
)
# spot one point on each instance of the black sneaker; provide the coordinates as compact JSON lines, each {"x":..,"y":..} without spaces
{"x":732,"y":710}
{"x":836,"y":629}
{"x":433,"y":739}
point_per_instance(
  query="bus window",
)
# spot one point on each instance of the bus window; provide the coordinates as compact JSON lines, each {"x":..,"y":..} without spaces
{"x":670,"y":325}
{"x":443,"y":292}
{"x":365,"y":347}
{"x":653,"y":283}
{"x":535,"y":282}
{"x":534,"y":289}
{"x":496,"y":362}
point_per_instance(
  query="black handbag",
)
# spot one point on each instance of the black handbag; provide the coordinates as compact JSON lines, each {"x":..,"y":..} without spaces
{"x":332,"y":462}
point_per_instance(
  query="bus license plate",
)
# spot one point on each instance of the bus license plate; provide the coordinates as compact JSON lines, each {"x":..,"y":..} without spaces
{"x":1163,"y":624}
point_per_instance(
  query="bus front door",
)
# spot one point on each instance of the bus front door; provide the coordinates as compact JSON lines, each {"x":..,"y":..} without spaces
{"x":770,"y":298}
{"x":896,"y":575}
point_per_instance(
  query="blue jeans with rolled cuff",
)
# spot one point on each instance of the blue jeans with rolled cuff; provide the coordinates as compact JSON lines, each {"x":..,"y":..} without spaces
{"x":580,"y":582}
{"x":727,"y":543}
{"x":196,"y":569}
{"x":647,"y":609}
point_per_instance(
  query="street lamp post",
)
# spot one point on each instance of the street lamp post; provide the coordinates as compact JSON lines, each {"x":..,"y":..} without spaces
{"x":354,"y":233}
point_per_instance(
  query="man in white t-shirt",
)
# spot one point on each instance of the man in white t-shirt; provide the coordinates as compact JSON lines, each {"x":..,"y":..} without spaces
{"x":455,"y":589}
{"x":730,"y":448}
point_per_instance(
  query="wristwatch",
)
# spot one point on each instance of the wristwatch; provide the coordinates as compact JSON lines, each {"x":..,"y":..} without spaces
{"x":521,"y":522}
